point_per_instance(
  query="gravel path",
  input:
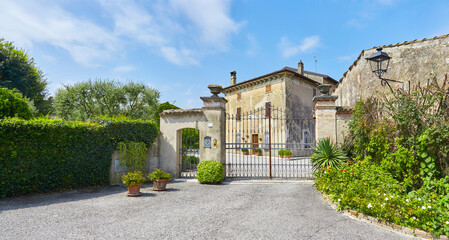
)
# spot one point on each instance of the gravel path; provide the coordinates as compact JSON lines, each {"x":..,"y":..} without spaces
{"x":188,"y":210}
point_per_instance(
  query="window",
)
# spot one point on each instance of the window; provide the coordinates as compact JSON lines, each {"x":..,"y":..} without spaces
{"x":267,"y":109}
{"x":238,"y":115}
{"x":239,"y":96}
{"x":314,"y":92}
{"x":268,"y":88}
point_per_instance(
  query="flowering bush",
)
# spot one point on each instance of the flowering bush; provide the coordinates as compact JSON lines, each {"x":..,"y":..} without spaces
{"x":399,"y":167}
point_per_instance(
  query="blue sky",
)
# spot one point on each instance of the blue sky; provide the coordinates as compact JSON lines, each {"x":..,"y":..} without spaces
{"x":181,"y":46}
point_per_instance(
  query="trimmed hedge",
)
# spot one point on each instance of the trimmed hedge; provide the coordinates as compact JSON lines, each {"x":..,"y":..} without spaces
{"x":43,"y":155}
{"x":210,"y":172}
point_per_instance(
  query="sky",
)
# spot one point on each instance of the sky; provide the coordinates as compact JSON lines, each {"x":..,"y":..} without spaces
{"x":180,"y":46}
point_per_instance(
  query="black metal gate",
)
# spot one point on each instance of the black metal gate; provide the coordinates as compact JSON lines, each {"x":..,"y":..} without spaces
{"x":269,"y":143}
{"x":189,"y":152}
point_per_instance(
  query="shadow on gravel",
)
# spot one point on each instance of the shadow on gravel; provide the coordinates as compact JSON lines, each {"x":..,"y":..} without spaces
{"x":44,"y":199}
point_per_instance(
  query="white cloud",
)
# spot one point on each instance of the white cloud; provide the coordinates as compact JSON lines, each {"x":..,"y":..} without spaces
{"x":180,"y":31}
{"x":346,"y":58}
{"x":308,"y":44}
{"x":210,"y":18}
{"x":124,"y":68}
{"x":252,"y":45}
{"x":29,"y":22}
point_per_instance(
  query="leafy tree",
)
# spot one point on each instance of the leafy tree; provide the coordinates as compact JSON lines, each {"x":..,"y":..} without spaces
{"x":160,"y":109}
{"x":19,"y":71}
{"x":13,"y":105}
{"x":106,"y":97}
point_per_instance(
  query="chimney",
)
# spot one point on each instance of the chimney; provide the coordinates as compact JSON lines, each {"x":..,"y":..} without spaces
{"x":233,"y":77}
{"x":301,"y":67}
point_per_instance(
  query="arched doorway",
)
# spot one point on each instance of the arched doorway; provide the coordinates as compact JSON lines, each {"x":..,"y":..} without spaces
{"x":189,"y":152}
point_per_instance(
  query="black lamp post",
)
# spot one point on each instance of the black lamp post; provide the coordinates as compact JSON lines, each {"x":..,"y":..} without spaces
{"x":379,"y":62}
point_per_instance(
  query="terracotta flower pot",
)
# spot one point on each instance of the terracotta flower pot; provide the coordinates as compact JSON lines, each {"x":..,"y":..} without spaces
{"x":160,"y":184}
{"x":287,"y":156}
{"x":134,"y":190}
{"x":281,"y":156}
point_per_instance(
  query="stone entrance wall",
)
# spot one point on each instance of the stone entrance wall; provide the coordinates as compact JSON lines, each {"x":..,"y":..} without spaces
{"x":209,"y":120}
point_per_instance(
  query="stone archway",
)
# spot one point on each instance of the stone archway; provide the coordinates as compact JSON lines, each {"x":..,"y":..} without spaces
{"x":209,"y":120}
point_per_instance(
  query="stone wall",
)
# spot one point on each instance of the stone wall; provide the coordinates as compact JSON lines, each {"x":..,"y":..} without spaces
{"x":413,"y":61}
{"x":153,"y":161}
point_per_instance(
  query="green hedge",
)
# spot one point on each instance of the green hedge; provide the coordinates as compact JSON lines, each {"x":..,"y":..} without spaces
{"x":43,"y":155}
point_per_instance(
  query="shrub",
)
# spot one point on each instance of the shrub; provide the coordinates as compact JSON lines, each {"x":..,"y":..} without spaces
{"x":326,"y":154}
{"x":244,"y":150}
{"x":281,"y":152}
{"x":42,"y":155}
{"x":287,"y":152}
{"x":158,"y":174}
{"x":133,"y":178}
{"x":257,"y":150}
{"x":191,"y":159}
{"x":132,"y":155}
{"x":210,"y":172}
{"x":12,"y":104}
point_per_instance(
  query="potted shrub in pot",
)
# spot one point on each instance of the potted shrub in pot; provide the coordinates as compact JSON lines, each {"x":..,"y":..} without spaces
{"x":160,"y":179}
{"x":245,"y":151}
{"x":258,"y":152}
{"x":281,"y":153}
{"x":134,"y":181}
{"x":287,"y":153}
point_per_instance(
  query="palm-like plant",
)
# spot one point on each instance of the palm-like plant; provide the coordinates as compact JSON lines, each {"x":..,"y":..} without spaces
{"x":326,"y":154}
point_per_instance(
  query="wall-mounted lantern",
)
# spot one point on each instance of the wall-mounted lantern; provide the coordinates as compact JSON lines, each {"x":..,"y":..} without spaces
{"x":379,"y":62}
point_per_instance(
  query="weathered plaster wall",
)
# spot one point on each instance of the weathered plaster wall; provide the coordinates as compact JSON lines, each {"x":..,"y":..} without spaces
{"x":412,"y":61}
{"x":153,"y":161}
{"x":342,"y":117}
{"x":255,"y":97}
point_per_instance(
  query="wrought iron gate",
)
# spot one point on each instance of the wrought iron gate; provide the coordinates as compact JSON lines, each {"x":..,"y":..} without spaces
{"x":189,"y":152}
{"x":269,"y":143}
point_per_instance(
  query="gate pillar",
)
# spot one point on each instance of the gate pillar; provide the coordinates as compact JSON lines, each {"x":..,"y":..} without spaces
{"x":213,"y":137}
{"x":325,"y":113}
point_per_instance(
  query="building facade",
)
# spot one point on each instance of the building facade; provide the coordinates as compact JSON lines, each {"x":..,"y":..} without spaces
{"x":281,"y":98}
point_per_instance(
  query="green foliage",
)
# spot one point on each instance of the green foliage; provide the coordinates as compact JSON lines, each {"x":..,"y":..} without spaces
{"x":88,"y":99}
{"x":244,"y":150}
{"x":326,"y":154}
{"x":281,"y":152}
{"x":13,"y":105}
{"x":210,"y":172}
{"x":191,"y":159}
{"x":257,"y":150}
{"x":160,"y":109}
{"x":132,"y":178}
{"x":132,"y":155}
{"x":19,"y":71}
{"x":42,"y":155}
{"x":158,"y":174}
{"x":190,"y":138}
{"x":287,"y":152}
{"x":120,"y":128}
{"x":400,"y":168}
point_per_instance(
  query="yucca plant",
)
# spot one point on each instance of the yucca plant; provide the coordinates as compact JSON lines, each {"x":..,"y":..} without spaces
{"x":326,"y":154}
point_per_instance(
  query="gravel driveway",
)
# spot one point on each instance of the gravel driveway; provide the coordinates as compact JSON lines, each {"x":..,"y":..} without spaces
{"x":188,"y":210}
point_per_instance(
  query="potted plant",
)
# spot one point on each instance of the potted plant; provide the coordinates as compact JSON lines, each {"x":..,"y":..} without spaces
{"x":160,"y":179}
{"x":215,"y":89}
{"x":258,"y":152}
{"x":133,"y":180}
{"x":287,"y":153}
{"x":245,"y":151}
{"x":281,"y":153}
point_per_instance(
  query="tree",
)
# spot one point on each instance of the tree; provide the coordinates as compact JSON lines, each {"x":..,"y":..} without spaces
{"x":12,"y":104}
{"x":105,"y":97}
{"x":19,"y":71}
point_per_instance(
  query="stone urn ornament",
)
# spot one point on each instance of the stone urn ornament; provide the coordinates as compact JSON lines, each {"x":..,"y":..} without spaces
{"x":324,"y":88}
{"x":215,"y":89}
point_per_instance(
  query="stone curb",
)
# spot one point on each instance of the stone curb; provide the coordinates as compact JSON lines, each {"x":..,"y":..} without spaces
{"x":384,"y":224}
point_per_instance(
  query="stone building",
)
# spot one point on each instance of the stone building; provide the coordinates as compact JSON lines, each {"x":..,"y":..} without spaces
{"x":414,"y":61}
{"x":288,"y":92}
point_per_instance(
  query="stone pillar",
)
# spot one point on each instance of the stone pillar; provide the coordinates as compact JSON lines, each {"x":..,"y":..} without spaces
{"x":325,"y":117}
{"x":214,"y":110}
